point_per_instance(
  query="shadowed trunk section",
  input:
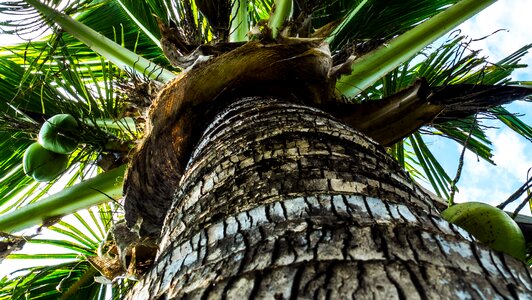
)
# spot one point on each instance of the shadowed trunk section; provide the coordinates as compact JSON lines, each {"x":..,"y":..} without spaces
{"x":283,"y":201}
{"x":298,"y":68}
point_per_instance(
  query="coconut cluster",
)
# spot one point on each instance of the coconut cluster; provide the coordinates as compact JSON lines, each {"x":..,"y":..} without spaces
{"x":47,"y":158}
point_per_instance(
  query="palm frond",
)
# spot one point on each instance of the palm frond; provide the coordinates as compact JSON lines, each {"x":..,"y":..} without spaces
{"x":374,"y":65}
{"x":279,"y":16}
{"x":80,"y":237}
{"x":454,"y":67}
{"x":72,"y":280}
{"x":260,"y":10}
{"x":97,"y":190}
{"x":186,"y":16}
{"x":433,"y":170}
{"x":36,"y":91}
{"x":513,"y":122}
{"x":240,"y":21}
{"x":26,"y":23}
{"x":377,"y":19}
{"x":122,"y":57}
{"x":139,"y":12}
{"x":52,"y":282}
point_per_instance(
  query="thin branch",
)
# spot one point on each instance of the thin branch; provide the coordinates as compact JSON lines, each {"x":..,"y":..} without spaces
{"x":516,"y":194}
{"x":460,"y":164}
{"x":525,"y":201}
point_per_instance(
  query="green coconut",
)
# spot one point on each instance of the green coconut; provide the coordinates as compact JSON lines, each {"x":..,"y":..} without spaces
{"x":60,"y":134}
{"x":42,"y":164}
{"x":489,"y":225}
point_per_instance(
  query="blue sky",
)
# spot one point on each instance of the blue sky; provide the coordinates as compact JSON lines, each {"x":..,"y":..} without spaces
{"x":481,"y":181}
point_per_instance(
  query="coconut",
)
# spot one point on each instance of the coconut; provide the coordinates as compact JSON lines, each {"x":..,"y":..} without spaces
{"x":42,"y":164}
{"x":60,"y":134}
{"x":489,"y":225}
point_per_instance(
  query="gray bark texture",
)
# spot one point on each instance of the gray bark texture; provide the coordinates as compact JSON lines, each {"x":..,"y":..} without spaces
{"x":281,"y":201}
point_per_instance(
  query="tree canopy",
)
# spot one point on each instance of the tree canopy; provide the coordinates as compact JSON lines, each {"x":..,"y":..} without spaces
{"x":103,"y":61}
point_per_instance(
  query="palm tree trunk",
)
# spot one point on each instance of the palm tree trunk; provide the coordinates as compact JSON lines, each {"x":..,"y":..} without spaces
{"x":282,"y":201}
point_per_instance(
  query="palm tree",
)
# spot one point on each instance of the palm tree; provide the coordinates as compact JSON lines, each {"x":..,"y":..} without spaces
{"x":274,"y":194}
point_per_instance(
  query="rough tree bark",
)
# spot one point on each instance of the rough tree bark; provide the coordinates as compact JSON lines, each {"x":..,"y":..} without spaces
{"x":282,"y":201}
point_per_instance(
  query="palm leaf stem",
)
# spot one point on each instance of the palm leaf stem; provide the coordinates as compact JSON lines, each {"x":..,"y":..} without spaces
{"x":127,"y":122}
{"x":145,"y":30}
{"x":375,"y":64}
{"x":76,"y":286}
{"x":346,"y":21}
{"x":121,"y":57}
{"x":239,"y":21}
{"x":94,"y":191}
{"x":280,"y":15}
{"x":44,"y":256}
{"x":73,"y":233}
{"x":88,"y":228}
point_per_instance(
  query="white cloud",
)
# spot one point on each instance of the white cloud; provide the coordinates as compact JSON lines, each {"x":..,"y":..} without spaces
{"x":514,"y":17}
{"x":475,"y":169}
{"x":512,"y":153}
{"x":481,"y":181}
{"x":493,"y":197}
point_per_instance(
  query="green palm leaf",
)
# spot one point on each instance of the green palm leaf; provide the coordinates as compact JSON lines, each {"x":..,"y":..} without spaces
{"x":79,"y":237}
{"x":42,"y":90}
{"x":381,"y":20}
{"x":53,"y":282}
{"x":375,"y":64}
{"x":98,"y":42}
